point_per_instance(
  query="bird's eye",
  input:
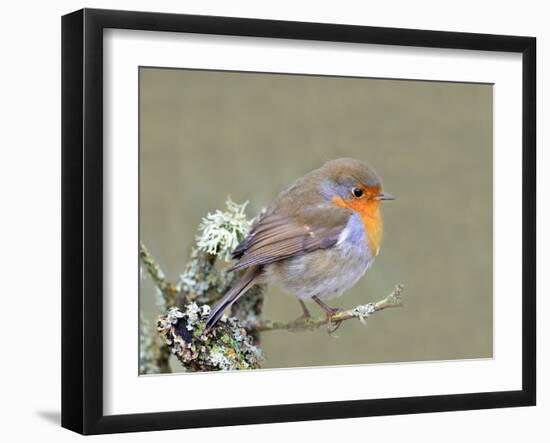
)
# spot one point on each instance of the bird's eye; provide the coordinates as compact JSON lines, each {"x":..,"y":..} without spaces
{"x":357,"y":192}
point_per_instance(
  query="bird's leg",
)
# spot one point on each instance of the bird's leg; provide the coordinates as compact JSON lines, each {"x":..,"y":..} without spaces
{"x":330,"y":311}
{"x":299,"y":322}
{"x":305,"y":312}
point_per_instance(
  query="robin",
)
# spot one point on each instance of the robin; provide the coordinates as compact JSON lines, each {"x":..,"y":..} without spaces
{"x":316,"y":239}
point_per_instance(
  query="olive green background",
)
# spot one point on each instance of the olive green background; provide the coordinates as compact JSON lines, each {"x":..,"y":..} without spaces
{"x":207,"y":134}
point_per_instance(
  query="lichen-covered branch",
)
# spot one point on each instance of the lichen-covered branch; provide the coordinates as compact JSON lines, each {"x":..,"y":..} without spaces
{"x":230,"y":344}
{"x":168,"y":290}
{"x":361,"y":312}
{"x":202,"y":283}
{"x":153,"y":355}
{"x":219,"y":234}
{"x":227,"y":347}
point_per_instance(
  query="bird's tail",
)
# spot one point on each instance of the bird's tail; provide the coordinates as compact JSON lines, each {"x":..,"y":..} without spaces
{"x":242,"y":285}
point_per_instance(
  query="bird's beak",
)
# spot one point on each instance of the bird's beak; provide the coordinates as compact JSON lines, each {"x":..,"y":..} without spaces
{"x":384,"y":196}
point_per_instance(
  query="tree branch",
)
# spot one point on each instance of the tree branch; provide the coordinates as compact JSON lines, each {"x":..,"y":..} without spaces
{"x":169,"y":290}
{"x":361,"y":312}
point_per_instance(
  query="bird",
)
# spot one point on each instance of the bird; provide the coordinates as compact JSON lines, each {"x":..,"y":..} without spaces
{"x":316,"y":239}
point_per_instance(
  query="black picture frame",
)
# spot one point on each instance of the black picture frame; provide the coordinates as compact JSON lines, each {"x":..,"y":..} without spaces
{"x":82,"y":220}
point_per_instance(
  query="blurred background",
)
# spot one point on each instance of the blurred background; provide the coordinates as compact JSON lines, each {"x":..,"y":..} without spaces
{"x":205,"y":135}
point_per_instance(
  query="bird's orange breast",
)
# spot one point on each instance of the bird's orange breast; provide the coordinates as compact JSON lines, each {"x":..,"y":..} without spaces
{"x":369,"y":211}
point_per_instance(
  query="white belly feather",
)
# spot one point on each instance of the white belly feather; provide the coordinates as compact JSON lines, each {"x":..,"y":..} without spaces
{"x":325,"y":273}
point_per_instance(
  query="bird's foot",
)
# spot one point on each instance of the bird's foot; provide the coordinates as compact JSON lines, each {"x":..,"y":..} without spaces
{"x":333,"y":325}
{"x":300,"y":323}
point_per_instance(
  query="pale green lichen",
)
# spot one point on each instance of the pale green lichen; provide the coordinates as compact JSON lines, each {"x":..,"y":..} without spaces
{"x":364,"y":311}
{"x":227,"y":347}
{"x":221,"y":231}
{"x":219,"y":234}
{"x":193,"y":314}
{"x":168,"y":291}
{"x":147,"y":354}
{"x":160,"y":300}
{"x":201,"y":276}
{"x":153,"y":358}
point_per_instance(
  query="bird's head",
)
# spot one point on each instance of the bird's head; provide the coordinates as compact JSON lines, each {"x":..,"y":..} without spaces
{"x":352,"y":184}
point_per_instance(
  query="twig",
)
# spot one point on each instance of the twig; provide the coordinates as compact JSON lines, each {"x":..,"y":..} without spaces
{"x":169,"y":290}
{"x":361,"y":312}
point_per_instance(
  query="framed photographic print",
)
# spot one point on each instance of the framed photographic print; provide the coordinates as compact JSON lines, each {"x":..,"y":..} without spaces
{"x":269,"y":221}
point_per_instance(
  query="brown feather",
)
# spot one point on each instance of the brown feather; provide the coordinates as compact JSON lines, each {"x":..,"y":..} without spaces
{"x":292,"y":226}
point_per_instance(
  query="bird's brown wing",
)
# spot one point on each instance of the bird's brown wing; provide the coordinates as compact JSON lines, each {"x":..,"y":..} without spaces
{"x":279,"y":236}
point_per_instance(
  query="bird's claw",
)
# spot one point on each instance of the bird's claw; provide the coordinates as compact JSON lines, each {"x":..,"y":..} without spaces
{"x":300,"y":323}
{"x":333,"y":326}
